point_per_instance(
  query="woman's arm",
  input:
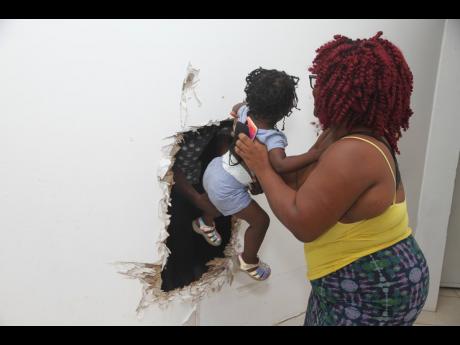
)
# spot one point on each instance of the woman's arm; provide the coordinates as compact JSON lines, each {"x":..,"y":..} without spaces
{"x":337,"y":181}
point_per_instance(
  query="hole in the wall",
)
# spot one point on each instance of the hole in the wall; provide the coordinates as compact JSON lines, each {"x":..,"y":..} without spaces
{"x":188,"y":267}
{"x":189,"y":252}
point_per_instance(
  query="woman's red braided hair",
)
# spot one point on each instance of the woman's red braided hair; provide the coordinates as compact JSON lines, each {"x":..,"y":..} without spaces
{"x":363,"y":82}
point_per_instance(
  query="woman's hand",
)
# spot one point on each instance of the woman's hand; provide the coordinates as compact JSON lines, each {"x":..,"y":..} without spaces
{"x":254,"y":153}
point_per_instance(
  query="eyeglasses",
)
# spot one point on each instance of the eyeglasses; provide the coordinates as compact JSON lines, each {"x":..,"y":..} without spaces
{"x":312,"y":80}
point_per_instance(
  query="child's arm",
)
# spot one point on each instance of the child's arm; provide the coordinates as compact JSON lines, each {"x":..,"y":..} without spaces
{"x":283,"y":164}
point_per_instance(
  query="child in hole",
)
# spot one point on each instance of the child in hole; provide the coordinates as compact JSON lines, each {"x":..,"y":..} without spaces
{"x":270,"y":97}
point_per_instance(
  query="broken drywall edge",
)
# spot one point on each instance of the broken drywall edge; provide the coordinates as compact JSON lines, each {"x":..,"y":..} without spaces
{"x":149,"y":274}
{"x":220,"y":273}
{"x":188,"y":86}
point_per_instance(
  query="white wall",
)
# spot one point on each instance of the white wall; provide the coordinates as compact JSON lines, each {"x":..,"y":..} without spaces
{"x":450,"y":271}
{"x":413,"y":143}
{"x":441,"y":160}
{"x":84,"y":105}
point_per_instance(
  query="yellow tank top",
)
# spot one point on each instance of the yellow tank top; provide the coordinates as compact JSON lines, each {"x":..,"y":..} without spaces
{"x":344,"y":243}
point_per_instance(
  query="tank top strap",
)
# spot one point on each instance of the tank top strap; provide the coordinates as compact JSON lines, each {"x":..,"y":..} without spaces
{"x":383,"y":154}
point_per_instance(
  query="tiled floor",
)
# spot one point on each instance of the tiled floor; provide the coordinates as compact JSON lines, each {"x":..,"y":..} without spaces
{"x":448,"y":311}
{"x":447,"y":314}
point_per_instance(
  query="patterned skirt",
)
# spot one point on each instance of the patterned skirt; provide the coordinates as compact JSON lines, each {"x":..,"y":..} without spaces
{"x":386,"y":288}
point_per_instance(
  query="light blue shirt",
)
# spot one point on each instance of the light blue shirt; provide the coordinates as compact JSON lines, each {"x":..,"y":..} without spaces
{"x":272,"y":138}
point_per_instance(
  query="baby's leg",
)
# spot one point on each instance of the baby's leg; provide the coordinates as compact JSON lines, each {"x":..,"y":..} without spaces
{"x":258,"y":221}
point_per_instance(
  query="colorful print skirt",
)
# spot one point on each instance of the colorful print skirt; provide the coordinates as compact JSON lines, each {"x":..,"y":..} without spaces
{"x":386,"y":288}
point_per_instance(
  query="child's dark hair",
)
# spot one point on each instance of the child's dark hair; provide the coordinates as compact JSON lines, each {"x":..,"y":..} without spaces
{"x":271,"y":94}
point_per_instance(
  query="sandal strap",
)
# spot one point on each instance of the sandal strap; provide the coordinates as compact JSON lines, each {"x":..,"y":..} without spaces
{"x":210,"y":231}
{"x":261,"y":271}
{"x":205,"y":227}
{"x":213,"y":237}
{"x":245,"y":266}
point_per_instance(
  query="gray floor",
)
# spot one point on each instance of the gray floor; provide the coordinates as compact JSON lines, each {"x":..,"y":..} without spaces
{"x":448,"y":313}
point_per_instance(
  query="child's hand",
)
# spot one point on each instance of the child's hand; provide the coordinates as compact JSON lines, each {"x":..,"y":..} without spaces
{"x":236,"y":107}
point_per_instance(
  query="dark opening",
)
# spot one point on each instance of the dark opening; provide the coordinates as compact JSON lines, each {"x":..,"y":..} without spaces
{"x":189,"y":251}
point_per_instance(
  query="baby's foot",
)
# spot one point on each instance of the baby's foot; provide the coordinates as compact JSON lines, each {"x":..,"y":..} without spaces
{"x":209,"y":233}
{"x":258,"y":271}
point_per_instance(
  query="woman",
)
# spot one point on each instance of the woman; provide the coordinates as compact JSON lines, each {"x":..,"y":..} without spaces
{"x":349,"y":208}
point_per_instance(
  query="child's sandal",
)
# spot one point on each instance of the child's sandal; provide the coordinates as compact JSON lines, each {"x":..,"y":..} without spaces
{"x":209,"y":233}
{"x":261,"y":272}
